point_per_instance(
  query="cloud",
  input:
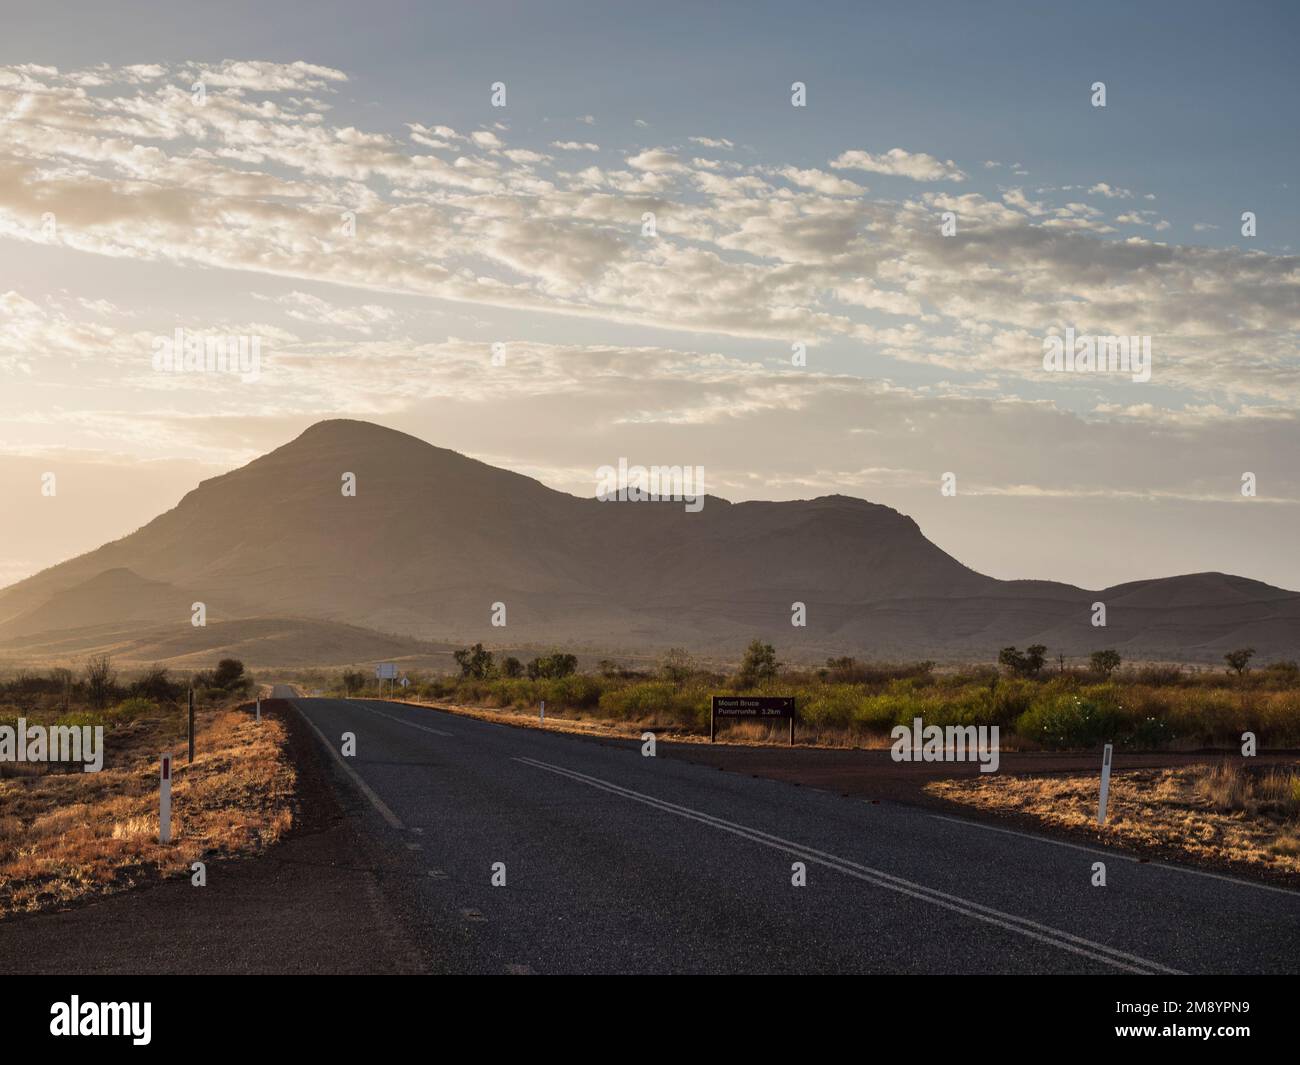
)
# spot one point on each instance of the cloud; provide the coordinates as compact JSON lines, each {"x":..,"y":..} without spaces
{"x":259,"y":183}
{"x":915,"y":165}
{"x":1110,"y":192}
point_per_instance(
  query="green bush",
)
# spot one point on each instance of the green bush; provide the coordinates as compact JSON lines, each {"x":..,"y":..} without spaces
{"x":132,"y":708}
{"x":834,"y":705}
{"x":1069,"y":720}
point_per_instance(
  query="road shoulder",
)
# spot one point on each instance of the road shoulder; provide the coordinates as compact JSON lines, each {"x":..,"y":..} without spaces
{"x":311,"y":904}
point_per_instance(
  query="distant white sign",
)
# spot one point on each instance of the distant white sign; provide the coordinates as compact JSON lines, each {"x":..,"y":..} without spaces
{"x":405,"y":682}
{"x":386,"y":671}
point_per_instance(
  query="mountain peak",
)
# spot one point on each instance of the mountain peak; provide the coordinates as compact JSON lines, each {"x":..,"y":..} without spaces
{"x":353,"y":522}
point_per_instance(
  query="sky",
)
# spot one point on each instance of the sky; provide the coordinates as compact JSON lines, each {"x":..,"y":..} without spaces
{"x":649,"y":252}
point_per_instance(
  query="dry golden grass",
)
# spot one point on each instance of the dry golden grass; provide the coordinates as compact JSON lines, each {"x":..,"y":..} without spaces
{"x":66,"y":836}
{"x":1225,"y":812}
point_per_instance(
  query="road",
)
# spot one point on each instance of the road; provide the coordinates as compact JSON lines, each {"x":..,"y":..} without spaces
{"x":615,"y":862}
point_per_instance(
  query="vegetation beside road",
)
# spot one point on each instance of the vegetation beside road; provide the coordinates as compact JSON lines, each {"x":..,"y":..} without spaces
{"x":1036,"y":705}
{"x":67,"y":835}
{"x":1223,"y":813}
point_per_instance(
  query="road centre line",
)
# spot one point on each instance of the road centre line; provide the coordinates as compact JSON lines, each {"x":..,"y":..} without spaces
{"x":1021,"y":925}
{"x":400,"y":721}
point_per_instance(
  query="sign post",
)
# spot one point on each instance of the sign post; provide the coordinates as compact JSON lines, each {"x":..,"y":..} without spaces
{"x":165,"y":800}
{"x":759,"y":707}
{"x":385,"y":671}
{"x":1105,"y":783}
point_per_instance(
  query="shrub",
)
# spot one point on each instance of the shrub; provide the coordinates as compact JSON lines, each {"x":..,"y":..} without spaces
{"x":130,"y":709}
{"x":833,"y":705}
{"x":1069,"y":720}
{"x":101,"y":681}
{"x":759,"y":664}
{"x":552,"y":666}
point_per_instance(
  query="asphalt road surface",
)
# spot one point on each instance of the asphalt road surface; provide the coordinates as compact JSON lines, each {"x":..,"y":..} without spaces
{"x":616,"y":862}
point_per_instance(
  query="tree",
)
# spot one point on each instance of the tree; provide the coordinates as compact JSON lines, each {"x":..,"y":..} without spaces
{"x":1024,"y":665}
{"x":552,"y":666}
{"x":101,"y":681}
{"x":759,"y":664}
{"x":62,"y":677}
{"x":229,"y":675}
{"x":353,"y":680}
{"x":1035,"y":656}
{"x":1240,"y":659}
{"x":677,"y":665}
{"x":512,"y":667}
{"x":1105,"y":662}
{"x":474,"y":662}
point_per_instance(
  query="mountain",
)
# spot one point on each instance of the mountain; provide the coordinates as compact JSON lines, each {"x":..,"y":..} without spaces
{"x":432,"y":539}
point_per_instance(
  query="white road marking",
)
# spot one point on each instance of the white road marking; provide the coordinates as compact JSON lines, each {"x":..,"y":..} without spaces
{"x":362,"y":786}
{"x":1037,"y":839}
{"x":399,"y":720}
{"x":1020,"y":925}
{"x":1119,"y":857}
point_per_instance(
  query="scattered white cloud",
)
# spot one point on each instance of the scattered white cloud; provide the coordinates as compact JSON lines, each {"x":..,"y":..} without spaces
{"x":915,"y":165}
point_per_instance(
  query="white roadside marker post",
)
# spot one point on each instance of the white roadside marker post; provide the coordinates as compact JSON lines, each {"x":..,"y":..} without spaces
{"x":1105,"y":784}
{"x":543,"y":711}
{"x":165,"y":800}
{"x":259,"y":708}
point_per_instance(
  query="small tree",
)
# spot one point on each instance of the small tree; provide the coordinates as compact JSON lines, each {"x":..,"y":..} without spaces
{"x":1105,"y":662}
{"x":229,"y":675}
{"x":474,"y":662}
{"x":1024,"y":665}
{"x":758,"y":665}
{"x":155,"y":683}
{"x":63,"y":678}
{"x":1035,"y":656}
{"x":1011,"y":659}
{"x":842,"y":670}
{"x":1240,"y":659}
{"x":552,"y":666}
{"x":512,"y":668}
{"x":676,"y":665}
{"x":101,"y":681}
{"x":353,"y":680}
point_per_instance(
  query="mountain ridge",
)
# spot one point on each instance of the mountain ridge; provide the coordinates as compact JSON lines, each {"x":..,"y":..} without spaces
{"x":432,"y":539}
